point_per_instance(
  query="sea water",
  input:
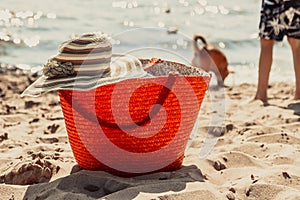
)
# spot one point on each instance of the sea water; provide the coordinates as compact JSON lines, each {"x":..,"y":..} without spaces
{"x":32,"y":30}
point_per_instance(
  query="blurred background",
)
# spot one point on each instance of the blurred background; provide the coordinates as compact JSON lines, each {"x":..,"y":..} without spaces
{"x":32,"y":30}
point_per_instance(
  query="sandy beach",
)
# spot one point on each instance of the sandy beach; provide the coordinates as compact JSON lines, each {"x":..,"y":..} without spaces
{"x":257,"y":156}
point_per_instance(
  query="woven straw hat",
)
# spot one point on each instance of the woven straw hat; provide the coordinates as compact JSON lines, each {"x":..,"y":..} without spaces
{"x":84,"y":63}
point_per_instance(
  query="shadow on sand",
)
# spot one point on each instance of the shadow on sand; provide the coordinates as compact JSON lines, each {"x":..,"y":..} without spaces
{"x":295,"y":107}
{"x":98,"y":184}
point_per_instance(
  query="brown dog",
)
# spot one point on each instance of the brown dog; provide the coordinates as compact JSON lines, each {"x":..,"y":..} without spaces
{"x":209,"y":58}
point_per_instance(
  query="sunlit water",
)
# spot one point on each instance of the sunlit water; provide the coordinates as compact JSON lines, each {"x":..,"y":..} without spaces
{"x":32,"y":30}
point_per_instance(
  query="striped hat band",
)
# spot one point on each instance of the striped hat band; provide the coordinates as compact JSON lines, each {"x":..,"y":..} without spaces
{"x":89,"y":53}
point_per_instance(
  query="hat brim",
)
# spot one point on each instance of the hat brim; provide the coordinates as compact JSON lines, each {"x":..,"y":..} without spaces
{"x":43,"y":84}
{"x":119,"y":71}
{"x":87,"y":82}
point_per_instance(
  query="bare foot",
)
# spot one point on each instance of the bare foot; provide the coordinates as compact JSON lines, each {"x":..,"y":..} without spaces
{"x":264,"y":100}
{"x":261,"y":95}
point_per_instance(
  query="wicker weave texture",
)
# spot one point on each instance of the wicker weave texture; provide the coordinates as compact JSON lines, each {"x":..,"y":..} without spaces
{"x":103,"y":131}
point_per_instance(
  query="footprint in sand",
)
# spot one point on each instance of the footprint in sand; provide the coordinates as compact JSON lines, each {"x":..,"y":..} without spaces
{"x":32,"y":172}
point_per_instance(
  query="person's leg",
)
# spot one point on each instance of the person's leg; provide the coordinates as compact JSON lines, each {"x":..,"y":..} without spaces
{"x":295,"y":45}
{"x":265,"y":63}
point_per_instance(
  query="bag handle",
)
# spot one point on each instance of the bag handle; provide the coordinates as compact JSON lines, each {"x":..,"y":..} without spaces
{"x":164,"y":93}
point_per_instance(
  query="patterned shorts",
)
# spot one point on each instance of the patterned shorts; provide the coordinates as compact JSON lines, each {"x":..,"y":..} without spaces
{"x":279,"y":18}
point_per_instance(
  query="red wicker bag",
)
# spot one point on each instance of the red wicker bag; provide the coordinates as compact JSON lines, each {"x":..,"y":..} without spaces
{"x":136,"y":126}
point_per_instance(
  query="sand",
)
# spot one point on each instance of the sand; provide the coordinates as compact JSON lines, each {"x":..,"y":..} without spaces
{"x":256,"y":156}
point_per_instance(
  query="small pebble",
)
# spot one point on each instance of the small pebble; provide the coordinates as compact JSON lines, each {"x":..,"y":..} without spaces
{"x":286,"y":175}
{"x":230,"y":196}
{"x":219,"y":166}
{"x":229,"y":127}
{"x":232,"y":190}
